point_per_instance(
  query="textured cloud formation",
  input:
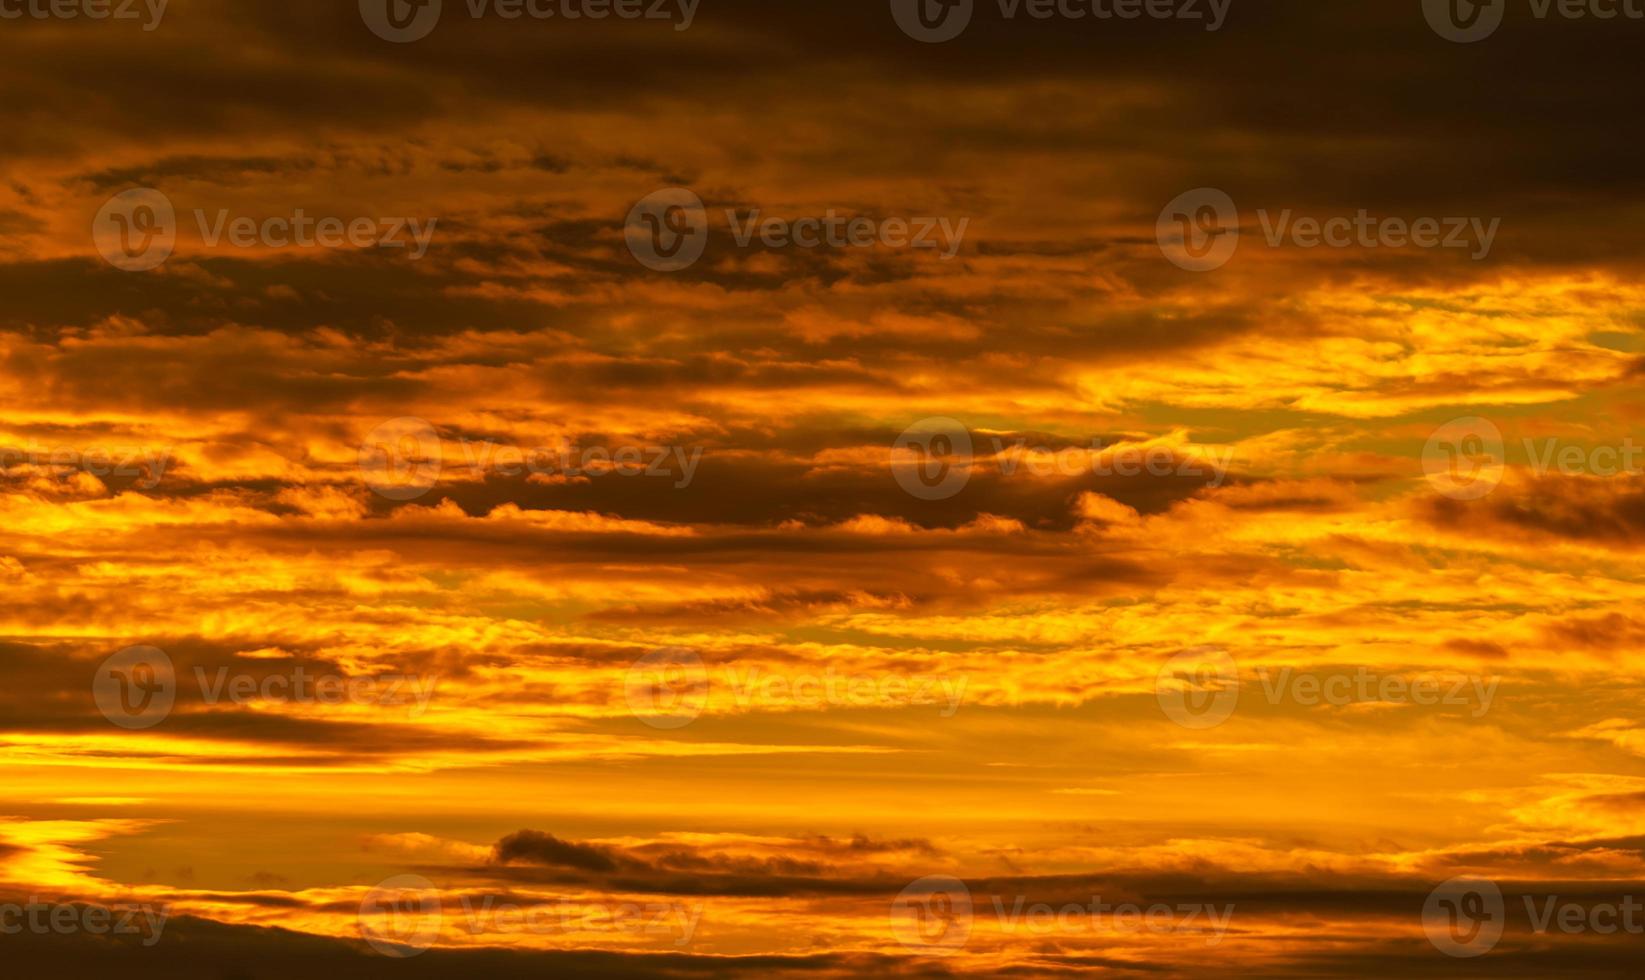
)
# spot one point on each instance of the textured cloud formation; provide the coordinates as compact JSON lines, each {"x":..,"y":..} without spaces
{"x":637,"y":613}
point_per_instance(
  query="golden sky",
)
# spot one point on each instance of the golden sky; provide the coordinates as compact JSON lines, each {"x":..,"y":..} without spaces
{"x":742,"y":489}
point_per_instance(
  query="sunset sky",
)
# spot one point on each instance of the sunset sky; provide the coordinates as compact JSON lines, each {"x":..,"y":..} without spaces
{"x":746,"y":491}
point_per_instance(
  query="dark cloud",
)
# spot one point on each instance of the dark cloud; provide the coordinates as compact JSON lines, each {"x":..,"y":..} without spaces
{"x":536,"y":847}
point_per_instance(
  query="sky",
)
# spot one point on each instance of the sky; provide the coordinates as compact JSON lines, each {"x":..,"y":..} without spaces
{"x":721,"y":489}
